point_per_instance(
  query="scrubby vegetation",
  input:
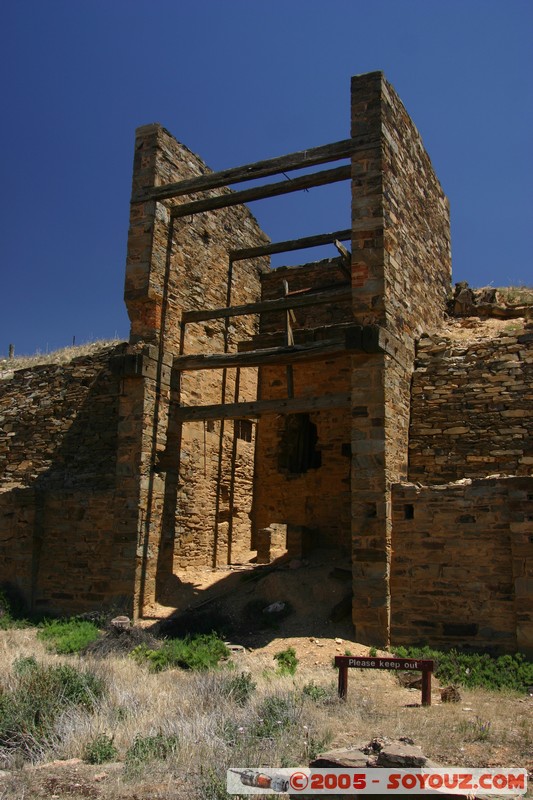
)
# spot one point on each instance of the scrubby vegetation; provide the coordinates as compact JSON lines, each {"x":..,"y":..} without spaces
{"x":287,"y":661}
{"x":193,"y":652}
{"x":180,"y":713}
{"x":32,"y":701}
{"x":476,"y":670}
{"x":68,"y":636}
{"x":100,"y":749}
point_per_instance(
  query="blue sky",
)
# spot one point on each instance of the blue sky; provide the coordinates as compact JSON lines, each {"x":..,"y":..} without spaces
{"x":238,"y":81}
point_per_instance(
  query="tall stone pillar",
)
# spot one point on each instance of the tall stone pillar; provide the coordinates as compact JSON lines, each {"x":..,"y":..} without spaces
{"x":401,"y":272}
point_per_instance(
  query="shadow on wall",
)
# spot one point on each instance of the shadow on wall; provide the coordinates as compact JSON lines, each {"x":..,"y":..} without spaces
{"x":58,"y":547}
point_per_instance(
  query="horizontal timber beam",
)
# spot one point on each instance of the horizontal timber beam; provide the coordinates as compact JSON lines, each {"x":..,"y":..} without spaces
{"x":261,"y":192}
{"x":248,"y":172}
{"x":293,"y":405}
{"x":356,"y":339}
{"x":293,"y":244}
{"x":282,"y":304}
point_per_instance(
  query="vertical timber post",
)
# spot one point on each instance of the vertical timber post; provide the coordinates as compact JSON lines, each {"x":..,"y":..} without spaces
{"x":426,"y":687}
{"x":343,"y":681}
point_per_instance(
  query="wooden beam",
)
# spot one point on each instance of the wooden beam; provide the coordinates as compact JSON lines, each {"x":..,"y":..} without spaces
{"x":282,"y":304}
{"x":293,"y":244}
{"x":364,"y":339}
{"x":294,"y":405}
{"x":248,"y":172}
{"x":260,"y":192}
{"x":261,"y":341}
{"x":286,"y":354}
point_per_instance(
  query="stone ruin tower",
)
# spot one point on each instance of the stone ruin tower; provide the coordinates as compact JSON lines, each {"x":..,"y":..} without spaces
{"x":255,"y":412}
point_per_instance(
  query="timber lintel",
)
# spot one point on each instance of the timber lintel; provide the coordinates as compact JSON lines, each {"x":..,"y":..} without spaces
{"x":337,"y":295}
{"x":368,"y":339}
{"x":254,"y":409}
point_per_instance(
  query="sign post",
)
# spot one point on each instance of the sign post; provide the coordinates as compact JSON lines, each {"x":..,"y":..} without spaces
{"x":425,"y":666}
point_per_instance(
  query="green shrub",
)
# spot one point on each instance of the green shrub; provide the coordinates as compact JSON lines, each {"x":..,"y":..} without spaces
{"x":476,"y":669}
{"x":24,"y":664}
{"x":287,"y":661}
{"x":68,"y":636}
{"x":30,"y":709}
{"x":100,"y":750}
{"x":193,"y":652}
{"x":316,"y":745}
{"x":277,"y":715}
{"x":151,"y":748}
{"x":240,"y":688}
{"x":316,"y":693}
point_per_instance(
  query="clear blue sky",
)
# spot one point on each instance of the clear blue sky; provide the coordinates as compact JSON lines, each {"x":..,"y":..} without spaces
{"x":238,"y":81}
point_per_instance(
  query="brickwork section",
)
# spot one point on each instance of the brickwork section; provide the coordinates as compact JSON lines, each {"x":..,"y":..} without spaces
{"x":188,"y":476}
{"x":316,"y":500}
{"x":58,"y":423}
{"x":472,"y":409}
{"x":58,"y":459}
{"x":184,"y":265}
{"x":462,"y":572}
{"x":401,"y":272}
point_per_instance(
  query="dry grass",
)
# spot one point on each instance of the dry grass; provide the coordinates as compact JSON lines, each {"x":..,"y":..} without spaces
{"x":62,"y":356}
{"x":515,"y":295}
{"x":214,"y":732}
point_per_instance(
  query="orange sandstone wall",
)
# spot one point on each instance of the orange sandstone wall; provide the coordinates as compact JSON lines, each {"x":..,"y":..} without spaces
{"x":192,"y":483}
{"x":317,"y":499}
{"x":59,"y":545}
{"x":462,"y":573}
{"x":472,"y":407}
{"x":400,"y":275}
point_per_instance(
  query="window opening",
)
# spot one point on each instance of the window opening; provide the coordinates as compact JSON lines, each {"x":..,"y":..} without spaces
{"x":243,"y":429}
{"x":298,"y":452}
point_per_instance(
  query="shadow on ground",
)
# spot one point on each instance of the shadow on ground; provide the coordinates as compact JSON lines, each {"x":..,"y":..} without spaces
{"x":256,"y":604}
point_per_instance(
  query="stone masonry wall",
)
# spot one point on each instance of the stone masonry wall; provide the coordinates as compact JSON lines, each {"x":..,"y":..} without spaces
{"x":319,"y":498}
{"x":58,"y":459}
{"x":400,"y":275}
{"x":172,"y":266}
{"x":472,"y":407}
{"x":462,"y":572}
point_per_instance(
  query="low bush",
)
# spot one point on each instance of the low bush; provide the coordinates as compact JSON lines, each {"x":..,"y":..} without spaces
{"x":277,"y":715}
{"x":193,"y":652}
{"x":240,"y":688}
{"x":151,"y":748}
{"x":68,"y":636}
{"x":475,"y":670}
{"x":287,"y":661}
{"x":100,"y":750}
{"x":316,"y":693}
{"x":29,"y":710}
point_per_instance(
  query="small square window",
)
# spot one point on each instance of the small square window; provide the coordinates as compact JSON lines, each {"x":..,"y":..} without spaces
{"x":243,"y":429}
